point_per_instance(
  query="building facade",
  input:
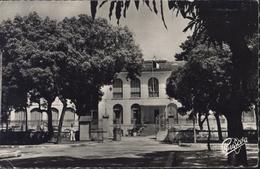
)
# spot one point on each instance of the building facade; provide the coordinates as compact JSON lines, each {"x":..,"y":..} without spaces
{"x":138,"y":101}
{"x":143,"y":102}
{"x":128,"y":104}
{"x":38,"y":120}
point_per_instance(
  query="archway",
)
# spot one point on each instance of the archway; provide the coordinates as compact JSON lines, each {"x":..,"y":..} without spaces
{"x":55,"y":116}
{"x":69,"y":117}
{"x":20,"y":120}
{"x":136,"y":114}
{"x":118,"y":114}
{"x":36,"y":118}
{"x":171,"y":113}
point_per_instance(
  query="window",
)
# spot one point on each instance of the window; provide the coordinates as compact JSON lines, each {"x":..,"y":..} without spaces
{"x":36,"y":115}
{"x":135,"y":88}
{"x":20,"y":115}
{"x":69,"y":118}
{"x":55,"y":116}
{"x":153,"y":87}
{"x":248,"y":116}
{"x":118,"y":88}
{"x":69,"y":114}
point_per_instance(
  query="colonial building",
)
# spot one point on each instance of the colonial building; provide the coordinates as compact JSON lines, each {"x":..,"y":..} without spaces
{"x":143,"y":102}
{"x":138,"y":101}
{"x":128,"y":103}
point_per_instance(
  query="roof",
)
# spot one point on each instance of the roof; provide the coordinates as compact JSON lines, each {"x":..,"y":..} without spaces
{"x":164,"y":65}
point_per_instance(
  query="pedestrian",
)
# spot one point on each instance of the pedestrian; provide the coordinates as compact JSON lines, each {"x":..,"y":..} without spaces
{"x":72,"y":133}
{"x":42,"y":127}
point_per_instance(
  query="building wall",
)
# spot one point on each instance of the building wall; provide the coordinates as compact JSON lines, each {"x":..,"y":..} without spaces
{"x":17,"y":122}
{"x":148,"y":105}
{"x":108,"y":102}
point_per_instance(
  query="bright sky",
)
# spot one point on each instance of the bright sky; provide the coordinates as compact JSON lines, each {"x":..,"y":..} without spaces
{"x":148,"y":28}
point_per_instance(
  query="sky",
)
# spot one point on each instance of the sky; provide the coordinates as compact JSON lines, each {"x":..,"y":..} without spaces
{"x":149,"y":32}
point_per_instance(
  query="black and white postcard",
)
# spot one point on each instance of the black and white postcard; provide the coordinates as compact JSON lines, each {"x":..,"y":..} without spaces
{"x":129,"y":83}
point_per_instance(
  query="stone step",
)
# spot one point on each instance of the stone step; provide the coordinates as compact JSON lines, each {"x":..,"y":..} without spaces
{"x":9,"y":154}
{"x":161,"y":135}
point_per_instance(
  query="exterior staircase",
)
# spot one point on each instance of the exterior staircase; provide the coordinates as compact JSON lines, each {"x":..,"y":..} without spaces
{"x":161,"y":135}
{"x":148,"y":130}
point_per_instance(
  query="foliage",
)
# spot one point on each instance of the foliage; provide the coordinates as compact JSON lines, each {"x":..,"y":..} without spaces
{"x":230,"y":16}
{"x":228,"y":21}
{"x":71,"y":59}
{"x":97,"y":51}
{"x":204,"y":81}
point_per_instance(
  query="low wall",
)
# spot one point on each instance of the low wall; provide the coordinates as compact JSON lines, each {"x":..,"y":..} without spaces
{"x":187,"y":135}
{"x":23,"y":138}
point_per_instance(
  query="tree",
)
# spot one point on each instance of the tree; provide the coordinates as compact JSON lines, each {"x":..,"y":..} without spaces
{"x":71,"y":59}
{"x":200,"y":48}
{"x":203,"y":80}
{"x":97,"y":52}
{"x":224,"y":21}
{"x":15,"y":85}
{"x":29,"y":46}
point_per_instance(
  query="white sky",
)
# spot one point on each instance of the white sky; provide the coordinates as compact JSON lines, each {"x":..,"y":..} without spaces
{"x":147,"y":27}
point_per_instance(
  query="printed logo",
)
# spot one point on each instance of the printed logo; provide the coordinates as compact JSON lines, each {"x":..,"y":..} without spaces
{"x":230,"y":145}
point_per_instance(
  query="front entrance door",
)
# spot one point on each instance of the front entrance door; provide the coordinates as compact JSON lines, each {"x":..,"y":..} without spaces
{"x":136,"y":114}
{"x":118,"y":114}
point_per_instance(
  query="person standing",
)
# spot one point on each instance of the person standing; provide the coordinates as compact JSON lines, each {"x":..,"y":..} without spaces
{"x":72,"y":133}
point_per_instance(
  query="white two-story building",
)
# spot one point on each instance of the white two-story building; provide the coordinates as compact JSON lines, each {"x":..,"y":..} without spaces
{"x":139,"y":101}
{"x":128,"y":103}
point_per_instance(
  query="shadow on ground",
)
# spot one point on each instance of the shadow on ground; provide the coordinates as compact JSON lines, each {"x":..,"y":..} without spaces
{"x":155,"y":159}
{"x":147,"y":160}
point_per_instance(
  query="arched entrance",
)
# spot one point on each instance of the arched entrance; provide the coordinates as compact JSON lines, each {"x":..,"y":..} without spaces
{"x":136,"y":114}
{"x":69,"y":117}
{"x":117,"y":114}
{"x":55,"y":116}
{"x":171,"y":112}
{"x":20,"y":120}
{"x":36,"y":118}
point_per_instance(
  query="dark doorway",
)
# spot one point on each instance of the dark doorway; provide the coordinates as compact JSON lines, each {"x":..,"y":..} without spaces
{"x":118,"y":114}
{"x":136,"y":114}
{"x":156,"y":115}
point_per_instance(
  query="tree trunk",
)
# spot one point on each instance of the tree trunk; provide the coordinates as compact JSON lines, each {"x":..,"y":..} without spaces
{"x":6,"y":129}
{"x":49,"y":113}
{"x":220,"y":138}
{"x":258,"y":141}
{"x":235,"y":130}
{"x":7,"y":121}
{"x":26,"y":120}
{"x":258,"y":131}
{"x":194,"y":130}
{"x":61,"y":121}
{"x":209,"y":133}
{"x":244,"y":83}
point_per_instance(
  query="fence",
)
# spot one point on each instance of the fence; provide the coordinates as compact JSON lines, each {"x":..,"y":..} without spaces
{"x":38,"y":125}
{"x":202,"y":135}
